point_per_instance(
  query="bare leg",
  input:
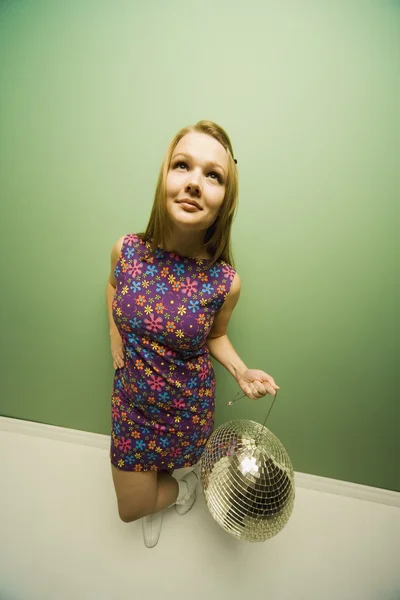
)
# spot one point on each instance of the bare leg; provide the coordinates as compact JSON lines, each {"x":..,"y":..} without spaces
{"x":142,"y":494}
{"x":165,"y":496}
{"x":167,"y":490}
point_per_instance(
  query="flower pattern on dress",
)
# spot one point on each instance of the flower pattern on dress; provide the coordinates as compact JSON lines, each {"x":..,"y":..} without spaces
{"x":163,"y":398}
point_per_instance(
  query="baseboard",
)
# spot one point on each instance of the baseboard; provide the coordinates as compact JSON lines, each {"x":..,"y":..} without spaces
{"x":347,"y":488}
{"x":303,"y":480}
{"x":54,"y":432}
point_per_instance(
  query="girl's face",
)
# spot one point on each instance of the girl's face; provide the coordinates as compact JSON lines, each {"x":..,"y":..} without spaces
{"x":196,"y":182}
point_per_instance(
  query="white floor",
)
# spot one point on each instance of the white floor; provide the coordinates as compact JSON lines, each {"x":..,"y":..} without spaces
{"x":61,"y":539}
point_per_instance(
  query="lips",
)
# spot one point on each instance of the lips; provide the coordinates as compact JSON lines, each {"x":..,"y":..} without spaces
{"x":190,"y":203}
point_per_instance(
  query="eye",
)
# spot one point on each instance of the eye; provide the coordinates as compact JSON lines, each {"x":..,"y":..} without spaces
{"x":216,"y":176}
{"x":180,"y":164}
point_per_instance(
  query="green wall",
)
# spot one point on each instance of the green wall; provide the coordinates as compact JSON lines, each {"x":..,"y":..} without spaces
{"x":90,"y":95}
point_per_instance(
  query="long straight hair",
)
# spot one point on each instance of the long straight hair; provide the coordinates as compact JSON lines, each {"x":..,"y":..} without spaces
{"x":217,"y":239}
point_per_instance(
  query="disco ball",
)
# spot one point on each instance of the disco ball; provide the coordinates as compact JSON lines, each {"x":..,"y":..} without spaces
{"x":247,"y":480}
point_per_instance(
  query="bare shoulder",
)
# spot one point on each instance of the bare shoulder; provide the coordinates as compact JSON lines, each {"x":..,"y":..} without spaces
{"x":115,"y":252}
{"x":116,"y":249}
{"x":222,"y":317}
{"x":232,"y":297}
{"x":235,"y":286}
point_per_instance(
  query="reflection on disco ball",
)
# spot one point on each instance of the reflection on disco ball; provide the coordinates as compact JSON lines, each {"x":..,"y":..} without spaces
{"x":248,"y":481}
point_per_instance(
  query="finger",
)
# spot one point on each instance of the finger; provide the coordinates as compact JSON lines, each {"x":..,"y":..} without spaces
{"x":269,"y":389}
{"x":254,"y":394}
{"x":249,"y":392}
{"x":261,"y":388}
{"x":118,"y":358}
{"x":269,"y":379}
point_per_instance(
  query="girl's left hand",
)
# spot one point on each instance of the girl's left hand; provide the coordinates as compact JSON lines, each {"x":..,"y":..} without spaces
{"x":256,"y":384}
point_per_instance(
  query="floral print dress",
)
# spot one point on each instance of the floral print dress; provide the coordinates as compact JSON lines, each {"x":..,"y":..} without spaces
{"x":163,"y":396}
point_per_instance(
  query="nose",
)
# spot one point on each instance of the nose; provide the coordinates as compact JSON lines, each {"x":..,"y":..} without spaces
{"x":193,"y":187}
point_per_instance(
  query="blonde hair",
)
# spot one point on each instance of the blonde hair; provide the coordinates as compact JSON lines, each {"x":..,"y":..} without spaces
{"x":218,"y":236}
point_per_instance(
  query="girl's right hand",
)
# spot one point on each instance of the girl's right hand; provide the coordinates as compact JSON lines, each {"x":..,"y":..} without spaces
{"x":117,"y":349}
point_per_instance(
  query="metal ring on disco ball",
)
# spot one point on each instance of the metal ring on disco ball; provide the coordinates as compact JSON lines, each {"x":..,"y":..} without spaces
{"x":248,"y":480}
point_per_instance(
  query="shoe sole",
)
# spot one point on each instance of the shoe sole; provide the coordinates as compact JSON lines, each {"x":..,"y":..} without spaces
{"x":183,"y":505}
{"x":148,"y":545}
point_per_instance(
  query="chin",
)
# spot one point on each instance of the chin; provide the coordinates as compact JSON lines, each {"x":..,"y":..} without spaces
{"x":188,"y":220}
{"x":188,"y":225}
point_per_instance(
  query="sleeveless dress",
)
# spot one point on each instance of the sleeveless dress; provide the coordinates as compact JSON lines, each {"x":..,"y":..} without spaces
{"x":163,"y":396}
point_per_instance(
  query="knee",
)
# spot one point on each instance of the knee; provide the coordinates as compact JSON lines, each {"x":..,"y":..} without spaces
{"x":128,"y":514}
{"x":136,"y":494}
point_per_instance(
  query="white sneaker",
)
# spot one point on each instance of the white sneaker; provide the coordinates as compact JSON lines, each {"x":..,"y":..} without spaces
{"x":183,"y":508}
{"x":151,"y":526}
{"x":187,"y":491}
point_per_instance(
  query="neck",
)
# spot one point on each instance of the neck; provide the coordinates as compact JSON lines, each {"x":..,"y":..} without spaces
{"x":187,"y":243}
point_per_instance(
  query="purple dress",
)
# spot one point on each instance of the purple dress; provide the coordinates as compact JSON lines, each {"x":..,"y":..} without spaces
{"x":163,"y":397}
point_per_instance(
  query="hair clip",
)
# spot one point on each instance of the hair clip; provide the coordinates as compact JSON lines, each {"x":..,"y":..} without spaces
{"x":235,"y":161}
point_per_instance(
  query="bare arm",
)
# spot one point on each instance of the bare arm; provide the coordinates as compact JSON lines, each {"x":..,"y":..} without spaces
{"x":253,"y":382}
{"x":218,"y":342}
